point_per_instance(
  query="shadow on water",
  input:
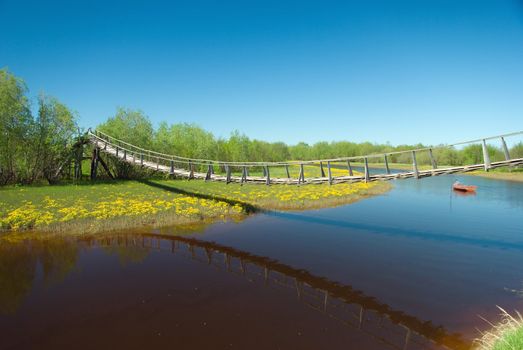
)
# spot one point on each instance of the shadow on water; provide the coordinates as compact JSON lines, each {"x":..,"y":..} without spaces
{"x":396,"y":231}
{"x":376,"y":229}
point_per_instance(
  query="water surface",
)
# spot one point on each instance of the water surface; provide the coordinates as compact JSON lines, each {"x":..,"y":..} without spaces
{"x":411,"y":269}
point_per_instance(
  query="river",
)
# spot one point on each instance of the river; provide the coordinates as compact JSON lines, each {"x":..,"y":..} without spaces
{"x":414,"y":268}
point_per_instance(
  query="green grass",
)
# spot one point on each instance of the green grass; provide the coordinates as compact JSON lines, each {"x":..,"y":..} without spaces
{"x":505,"y":173}
{"x":108,"y":205}
{"x":505,"y":335}
{"x":282,"y":197}
{"x":511,"y":340}
{"x":104,"y":205}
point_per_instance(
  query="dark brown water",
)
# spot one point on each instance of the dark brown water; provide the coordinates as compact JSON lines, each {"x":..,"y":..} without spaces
{"x":412,"y":269}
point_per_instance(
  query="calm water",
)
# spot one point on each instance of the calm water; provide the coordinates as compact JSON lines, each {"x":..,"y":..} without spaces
{"x":411,"y":269}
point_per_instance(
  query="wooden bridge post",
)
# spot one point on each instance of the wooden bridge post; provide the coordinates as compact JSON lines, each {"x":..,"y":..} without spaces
{"x":157,"y":163}
{"x":244,"y":175}
{"x":117,"y":151}
{"x":301,"y":177}
{"x":486,"y":157}
{"x":386,"y":163}
{"x":367,"y":175}
{"x":227,"y":173}
{"x":505,"y":148}
{"x":415,"y":165}
{"x":432,"y":160}
{"x":349,"y":166}
{"x":104,"y":165}
{"x":191,"y":170}
{"x":329,"y":172}
{"x":287,"y":171}
{"x":141,"y":159}
{"x":322,"y":173}
{"x":134,"y":157}
{"x":94,"y":163}
{"x":268,"y":180}
{"x":172,"y":167}
{"x":209,"y":173}
{"x":124,"y":154}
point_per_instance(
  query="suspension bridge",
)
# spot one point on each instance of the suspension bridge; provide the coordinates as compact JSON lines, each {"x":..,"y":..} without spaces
{"x":241,"y":172}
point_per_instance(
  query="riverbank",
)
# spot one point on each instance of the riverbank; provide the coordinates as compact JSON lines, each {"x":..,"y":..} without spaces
{"x":506,"y":173}
{"x":501,"y":174}
{"x":106,"y":206}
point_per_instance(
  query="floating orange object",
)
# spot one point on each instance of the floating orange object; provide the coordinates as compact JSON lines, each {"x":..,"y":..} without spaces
{"x":464,"y":188}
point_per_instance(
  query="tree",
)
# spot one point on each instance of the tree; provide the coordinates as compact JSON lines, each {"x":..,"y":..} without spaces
{"x":300,"y":151}
{"x":15,"y":125}
{"x":131,"y":126}
{"x":517,"y":150}
{"x":53,"y":133}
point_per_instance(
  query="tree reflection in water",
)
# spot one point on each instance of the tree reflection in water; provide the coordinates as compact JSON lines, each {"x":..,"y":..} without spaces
{"x":18,"y":266}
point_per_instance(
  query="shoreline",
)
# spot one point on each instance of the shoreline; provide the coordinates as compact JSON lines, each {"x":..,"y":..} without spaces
{"x":106,"y":207}
{"x":498,"y":174}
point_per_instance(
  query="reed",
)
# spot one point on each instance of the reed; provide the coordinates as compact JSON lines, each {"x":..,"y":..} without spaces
{"x":507,"y":334}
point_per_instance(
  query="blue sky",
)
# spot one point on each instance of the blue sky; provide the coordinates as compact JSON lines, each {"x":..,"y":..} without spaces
{"x":383,"y":71}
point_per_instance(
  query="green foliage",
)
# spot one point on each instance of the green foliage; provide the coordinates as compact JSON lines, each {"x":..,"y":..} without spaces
{"x":54,"y":129}
{"x":511,"y":340}
{"x":32,"y":148}
{"x":133,"y":127}
{"x":517,"y":151}
{"x":43,"y":147}
{"x":15,"y":127}
{"x":184,"y":139}
{"x":473,"y":154}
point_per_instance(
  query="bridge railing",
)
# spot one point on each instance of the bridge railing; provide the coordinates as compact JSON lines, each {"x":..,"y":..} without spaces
{"x":329,"y":170}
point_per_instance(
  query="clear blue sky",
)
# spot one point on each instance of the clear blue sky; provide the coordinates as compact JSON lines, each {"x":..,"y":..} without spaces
{"x":398,"y":71}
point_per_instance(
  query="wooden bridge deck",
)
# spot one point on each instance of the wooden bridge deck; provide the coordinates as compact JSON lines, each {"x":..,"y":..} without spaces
{"x":170,"y":164}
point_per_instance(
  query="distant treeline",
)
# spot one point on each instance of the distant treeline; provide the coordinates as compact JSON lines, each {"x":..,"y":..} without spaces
{"x":43,"y":146}
{"x":189,"y":140}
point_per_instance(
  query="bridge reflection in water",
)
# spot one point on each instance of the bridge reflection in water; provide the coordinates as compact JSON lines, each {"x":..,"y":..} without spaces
{"x":394,"y":329}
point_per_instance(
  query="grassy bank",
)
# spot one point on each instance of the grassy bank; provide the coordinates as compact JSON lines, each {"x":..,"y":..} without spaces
{"x":506,"y":173}
{"x":105,"y":206}
{"x":506,"y":335}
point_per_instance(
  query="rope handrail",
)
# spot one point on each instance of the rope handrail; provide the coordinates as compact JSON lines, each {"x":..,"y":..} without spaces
{"x":198,"y":161}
